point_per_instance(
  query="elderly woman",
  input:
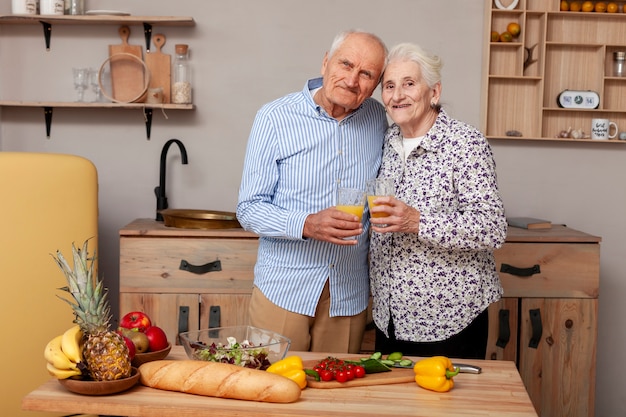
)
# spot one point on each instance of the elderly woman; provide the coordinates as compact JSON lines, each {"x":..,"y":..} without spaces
{"x":431,"y":258}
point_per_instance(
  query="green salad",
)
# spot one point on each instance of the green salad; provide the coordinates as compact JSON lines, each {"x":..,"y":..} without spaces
{"x":242,"y":354}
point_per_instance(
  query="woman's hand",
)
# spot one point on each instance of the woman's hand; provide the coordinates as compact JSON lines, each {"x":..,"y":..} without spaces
{"x":400,"y":216}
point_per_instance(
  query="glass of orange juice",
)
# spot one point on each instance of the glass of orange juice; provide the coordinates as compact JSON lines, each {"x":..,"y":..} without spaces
{"x":351,"y":200}
{"x":379,"y":187}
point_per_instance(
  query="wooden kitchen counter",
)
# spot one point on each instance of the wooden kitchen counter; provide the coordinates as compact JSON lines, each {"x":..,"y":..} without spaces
{"x":498,"y":391}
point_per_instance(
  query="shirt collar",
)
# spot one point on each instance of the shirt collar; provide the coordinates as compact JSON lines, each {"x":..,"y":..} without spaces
{"x":310,"y":87}
{"x":433,"y":138}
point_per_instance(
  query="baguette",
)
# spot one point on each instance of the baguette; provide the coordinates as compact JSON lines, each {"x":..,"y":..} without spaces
{"x":218,"y":380}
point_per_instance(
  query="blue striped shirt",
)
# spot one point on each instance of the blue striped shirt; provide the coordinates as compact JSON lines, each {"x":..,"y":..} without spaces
{"x":297,"y":156}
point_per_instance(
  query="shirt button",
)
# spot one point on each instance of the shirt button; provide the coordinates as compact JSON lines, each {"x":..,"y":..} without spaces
{"x":331,"y":266}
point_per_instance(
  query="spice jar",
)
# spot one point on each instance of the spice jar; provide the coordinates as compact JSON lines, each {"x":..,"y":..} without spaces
{"x":181,"y":72}
{"x":619,"y":62}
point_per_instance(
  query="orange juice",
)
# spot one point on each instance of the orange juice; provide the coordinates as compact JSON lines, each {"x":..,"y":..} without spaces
{"x":356,"y":210}
{"x":370,"y":203}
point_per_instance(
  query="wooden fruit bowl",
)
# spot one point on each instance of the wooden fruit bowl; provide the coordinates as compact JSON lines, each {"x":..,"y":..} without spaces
{"x":141,"y":358}
{"x":80,"y":386}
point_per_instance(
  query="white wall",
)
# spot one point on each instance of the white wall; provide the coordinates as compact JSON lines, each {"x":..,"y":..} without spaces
{"x":247,"y":52}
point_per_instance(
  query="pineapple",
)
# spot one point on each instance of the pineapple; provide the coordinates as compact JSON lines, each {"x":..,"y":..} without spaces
{"x":105,"y":352}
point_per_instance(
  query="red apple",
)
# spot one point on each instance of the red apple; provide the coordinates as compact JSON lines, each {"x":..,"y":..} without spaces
{"x":136,"y":320}
{"x":157,"y":338}
{"x":131,"y":347}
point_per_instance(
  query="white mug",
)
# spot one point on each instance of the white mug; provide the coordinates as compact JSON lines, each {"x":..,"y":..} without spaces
{"x":52,"y":7}
{"x":24,"y":6}
{"x":600,"y":129}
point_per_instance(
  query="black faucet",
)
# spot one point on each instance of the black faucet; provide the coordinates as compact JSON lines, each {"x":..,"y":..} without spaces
{"x":160,"y":190}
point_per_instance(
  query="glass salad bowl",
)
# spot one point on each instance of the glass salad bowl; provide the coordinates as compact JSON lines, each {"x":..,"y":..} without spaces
{"x":239,"y":345}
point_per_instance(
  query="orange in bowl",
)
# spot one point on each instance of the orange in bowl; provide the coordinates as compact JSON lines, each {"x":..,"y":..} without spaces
{"x":600,"y":7}
{"x":575,"y":6}
{"x":612,"y":7}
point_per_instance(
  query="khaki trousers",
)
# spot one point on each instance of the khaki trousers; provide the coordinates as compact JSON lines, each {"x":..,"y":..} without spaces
{"x":321,"y":333}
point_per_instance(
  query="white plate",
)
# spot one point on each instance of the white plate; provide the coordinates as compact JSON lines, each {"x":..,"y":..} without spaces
{"x":107,"y":12}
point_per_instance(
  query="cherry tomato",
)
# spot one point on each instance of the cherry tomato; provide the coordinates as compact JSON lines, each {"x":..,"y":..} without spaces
{"x":326,"y":375}
{"x":349,"y":374}
{"x":359,"y":371}
{"x":341,"y":376}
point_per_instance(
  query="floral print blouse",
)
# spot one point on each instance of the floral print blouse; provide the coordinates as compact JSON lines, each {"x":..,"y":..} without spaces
{"x":434,"y":283}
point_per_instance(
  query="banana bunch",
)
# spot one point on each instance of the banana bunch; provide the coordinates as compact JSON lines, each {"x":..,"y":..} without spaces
{"x":64,"y":354}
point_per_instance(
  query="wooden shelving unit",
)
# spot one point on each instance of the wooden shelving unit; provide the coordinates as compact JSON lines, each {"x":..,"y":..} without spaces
{"x":556,"y":51}
{"x":47,"y":21}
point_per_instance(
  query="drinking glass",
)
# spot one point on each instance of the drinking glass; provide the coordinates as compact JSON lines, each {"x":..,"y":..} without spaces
{"x":379,"y":187}
{"x":351,"y":200}
{"x":81,"y":81}
{"x":95,"y":85}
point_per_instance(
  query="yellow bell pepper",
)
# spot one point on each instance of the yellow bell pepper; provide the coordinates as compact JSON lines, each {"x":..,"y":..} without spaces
{"x":292,"y":368}
{"x":435,"y":373}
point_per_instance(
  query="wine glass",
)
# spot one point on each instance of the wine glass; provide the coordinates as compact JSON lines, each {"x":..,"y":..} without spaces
{"x":81,"y":80}
{"x":95,"y":85}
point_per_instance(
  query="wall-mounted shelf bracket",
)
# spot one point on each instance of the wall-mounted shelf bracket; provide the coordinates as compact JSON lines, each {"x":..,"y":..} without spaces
{"x":147,"y":112}
{"x":47,"y":112}
{"x":47,"y":32}
{"x":147,"y":31}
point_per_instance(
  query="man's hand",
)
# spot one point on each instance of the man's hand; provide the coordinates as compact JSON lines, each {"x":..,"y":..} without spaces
{"x":332,"y":225}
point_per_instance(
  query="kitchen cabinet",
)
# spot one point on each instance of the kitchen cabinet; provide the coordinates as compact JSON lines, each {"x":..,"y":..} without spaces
{"x":186,"y":279}
{"x":48,"y":21}
{"x":547,"y":320}
{"x":556,"y":51}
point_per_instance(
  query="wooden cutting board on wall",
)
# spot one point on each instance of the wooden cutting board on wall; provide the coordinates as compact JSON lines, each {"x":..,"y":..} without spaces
{"x":160,"y":67}
{"x":127,"y":73}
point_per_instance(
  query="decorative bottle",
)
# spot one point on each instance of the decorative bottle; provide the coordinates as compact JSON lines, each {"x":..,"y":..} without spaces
{"x":181,"y":72}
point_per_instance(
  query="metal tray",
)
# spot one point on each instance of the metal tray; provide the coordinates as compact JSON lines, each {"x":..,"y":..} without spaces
{"x":199,"y":219}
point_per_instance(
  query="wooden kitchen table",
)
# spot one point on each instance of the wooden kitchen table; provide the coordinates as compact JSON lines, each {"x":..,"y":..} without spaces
{"x":498,"y":391}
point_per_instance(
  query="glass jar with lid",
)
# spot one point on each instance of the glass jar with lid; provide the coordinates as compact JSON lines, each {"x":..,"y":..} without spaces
{"x":619,"y":63}
{"x":181,"y":74}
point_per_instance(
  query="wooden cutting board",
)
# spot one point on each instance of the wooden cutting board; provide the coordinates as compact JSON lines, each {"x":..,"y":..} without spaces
{"x":127,"y":73}
{"x":160,"y":67}
{"x":395,"y":376}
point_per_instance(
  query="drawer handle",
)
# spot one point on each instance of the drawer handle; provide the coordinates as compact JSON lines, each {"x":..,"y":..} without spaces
{"x":537,"y":328}
{"x":520,"y":272}
{"x":504,"y":329}
{"x":215,"y":320}
{"x":183,"y":319}
{"x":200,"y":269}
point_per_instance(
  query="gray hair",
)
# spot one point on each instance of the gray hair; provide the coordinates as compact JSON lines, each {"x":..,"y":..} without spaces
{"x":341,"y":37}
{"x":430,"y":64}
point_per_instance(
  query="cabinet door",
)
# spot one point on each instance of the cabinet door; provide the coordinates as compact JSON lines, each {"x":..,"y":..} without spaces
{"x":559,"y":373}
{"x":503,"y":330}
{"x":221,"y":310}
{"x":164,"y":310}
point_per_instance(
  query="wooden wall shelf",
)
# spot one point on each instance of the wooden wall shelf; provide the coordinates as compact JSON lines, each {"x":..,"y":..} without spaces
{"x":556,"y":51}
{"x":85,"y":20}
